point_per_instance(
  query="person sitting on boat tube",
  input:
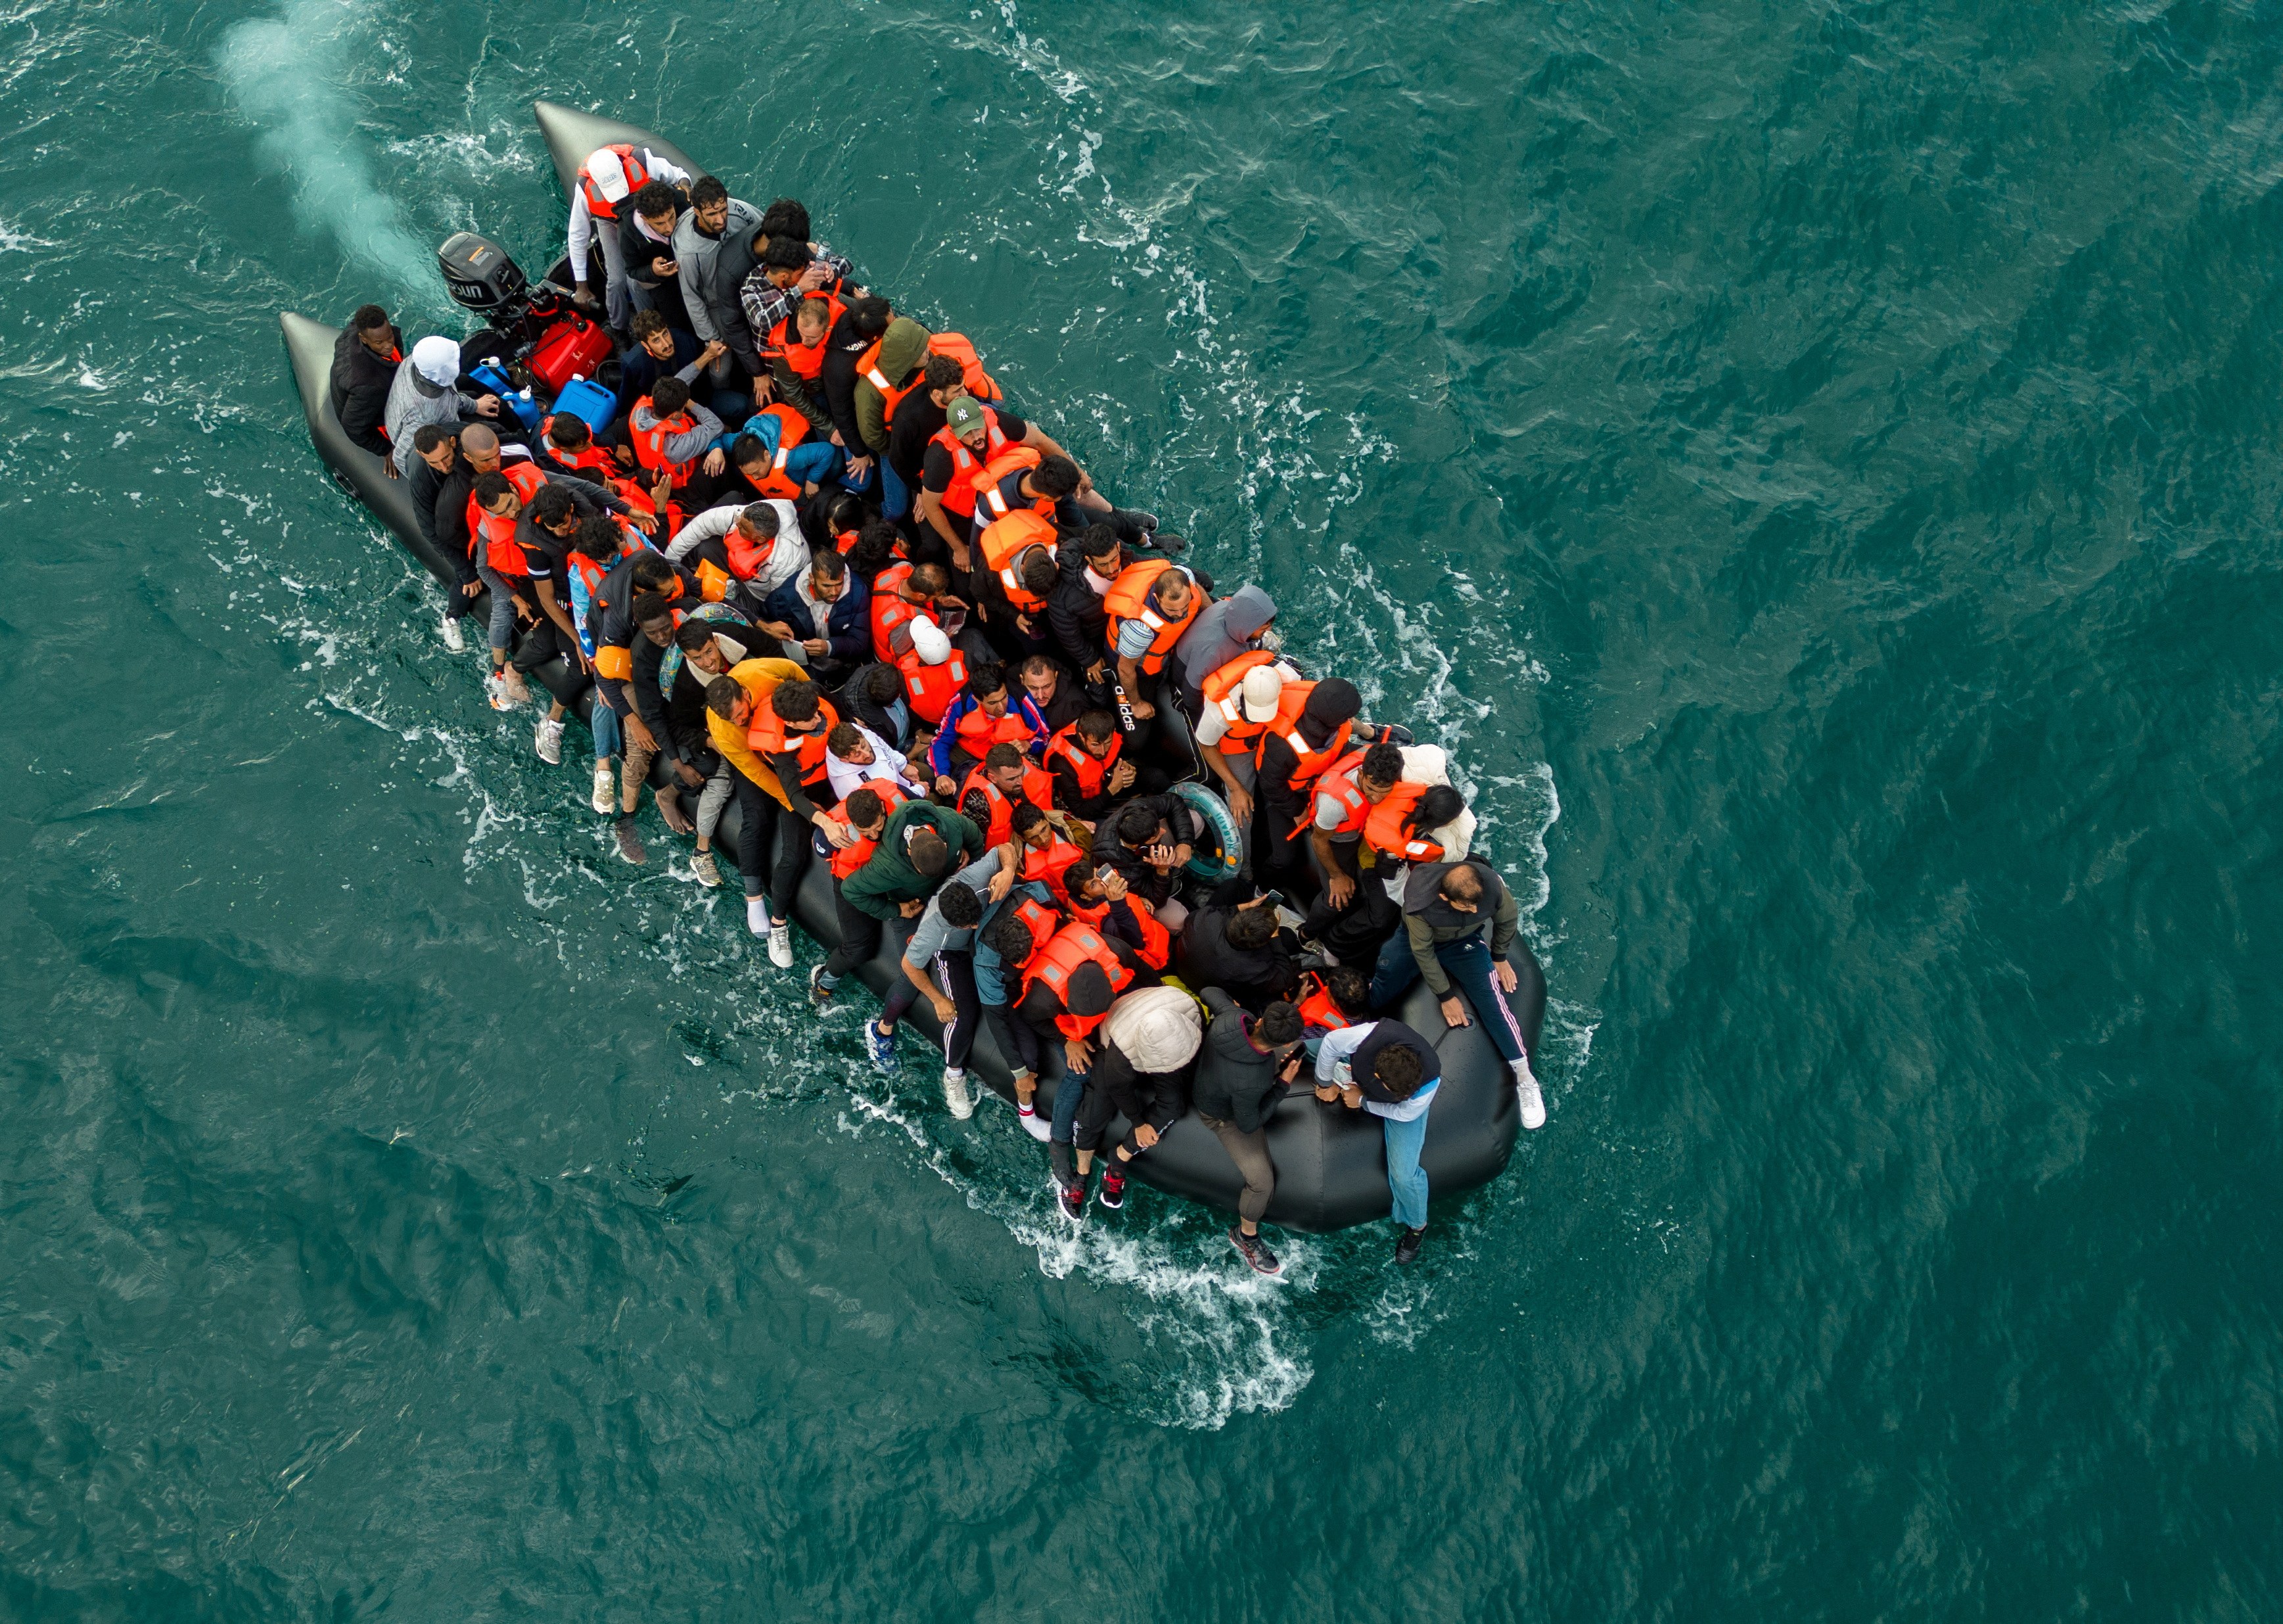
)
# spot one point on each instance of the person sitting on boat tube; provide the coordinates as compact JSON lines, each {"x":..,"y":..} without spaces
{"x":430,"y":387}
{"x":611,"y":176}
{"x":1385,"y":1067}
{"x":365,"y":359}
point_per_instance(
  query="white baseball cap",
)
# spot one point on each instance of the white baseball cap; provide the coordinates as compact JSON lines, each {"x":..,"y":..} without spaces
{"x":1264,"y":685}
{"x":608,"y":174}
{"x":929,"y":642}
{"x":437,"y":359}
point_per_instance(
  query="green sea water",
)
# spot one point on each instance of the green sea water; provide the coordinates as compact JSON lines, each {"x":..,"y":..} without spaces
{"x":1815,"y":466}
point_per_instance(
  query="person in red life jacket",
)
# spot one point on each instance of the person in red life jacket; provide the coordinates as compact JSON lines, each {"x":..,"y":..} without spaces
{"x":1047,"y":855}
{"x":796,"y":357}
{"x":973,"y":435}
{"x":1100,"y":895}
{"x":902,"y":593}
{"x":1240,"y":706}
{"x":528,"y":573}
{"x":1091,"y":773}
{"x":799,"y":466}
{"x":742,"y":555}
{"x":674,"y":435}
{"x":1314,"y":722}
{"x":1055,"y":488}
{"x":1353,"y":914}
{"x":788,"y":267}
{"x":365,"y":359}
{"x":828,"y":614}
{"x":549,"y":530}
{"x":855,"y":756}
{"x":1149,"y":1049}
{"x":1149,"y":606}
{"x":1003,"y":780}
{"x":569,"y":451}
{"x":934,"y":673}
{"x":479,"y":452}
{"x":1023,"y":1011}
{"x":605,"y":186}
{"x":1233,"y":941}
{"x":989,"y":712}
{"x":1014,"y":574}
{"x":1059,"y":700}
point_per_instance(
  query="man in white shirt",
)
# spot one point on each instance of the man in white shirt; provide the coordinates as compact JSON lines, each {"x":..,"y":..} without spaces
{"x":598,"y":193}
{"x":1385,"y":1067}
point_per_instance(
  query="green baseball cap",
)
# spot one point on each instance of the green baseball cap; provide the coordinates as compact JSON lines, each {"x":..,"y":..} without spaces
{"x":965,"y":415}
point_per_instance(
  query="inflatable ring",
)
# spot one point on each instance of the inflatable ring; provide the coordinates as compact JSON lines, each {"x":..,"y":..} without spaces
{"x":1214,"y":812}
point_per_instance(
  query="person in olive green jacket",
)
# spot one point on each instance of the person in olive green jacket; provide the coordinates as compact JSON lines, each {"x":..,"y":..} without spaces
{"x":923,"y":844}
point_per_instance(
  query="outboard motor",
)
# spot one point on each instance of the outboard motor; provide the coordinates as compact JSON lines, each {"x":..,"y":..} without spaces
{"x":485,"y":280}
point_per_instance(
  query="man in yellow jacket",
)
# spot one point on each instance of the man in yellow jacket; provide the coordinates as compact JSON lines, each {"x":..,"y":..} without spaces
{"x":730,"y":702}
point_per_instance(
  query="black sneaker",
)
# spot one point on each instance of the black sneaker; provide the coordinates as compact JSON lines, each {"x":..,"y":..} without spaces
{"x":1071,"y":1199}
{"x":1113,"y":1193}
{"x":1255,"y":1251}
{"x":1166,"y":543}
{"x":1406,"y":1245}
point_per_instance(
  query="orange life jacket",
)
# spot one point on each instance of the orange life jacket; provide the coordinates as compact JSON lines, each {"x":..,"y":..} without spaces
{"x":1312,"y":763}
{"x":746,"y":556}
{"x":979,"y":383}
{"x":600,"y":207}
{"x":978,"y":730}
{"x":849,"y":859}
{"x":1317,"y":1009}
{"x":983,"y":493}
{"x":591,"y":571}
{"x":1038,"y":789}
{"x":500,"y":550}
{"x":1048,"y":867}
{"x":890,"y":611}
{"x":650,"y":443}
{"x":595,"y":459}
{"x":1221,"y":695}
{"x":793,"y":428}
{"x":1041,"y":921}
{"x":1338,"y":782}
{"x":805,"y":360}
{"x":766,"y":736}
{"x":1157,"y":949}
{"x":1385,"y":831}
{"x":959,"y":496}
{"x":1092,"y":774}
{"x":1076,"y":943}
{"x":1128,"y":599}
{"x":1004,"y":542}
{"x":931,"y":689}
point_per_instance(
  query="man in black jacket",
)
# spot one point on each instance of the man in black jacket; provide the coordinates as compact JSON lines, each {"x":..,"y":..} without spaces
{"x":1285,"y":806}
{"x":1242,"y":1071}
{"x":365,"y":359}
{"x":1074,"y":611}
{"x":436,"y":468}
{"x":1238,"y":947}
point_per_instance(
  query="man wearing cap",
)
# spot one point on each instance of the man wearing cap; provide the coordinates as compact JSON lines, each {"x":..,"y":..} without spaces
{"x":982,"y":432}
{"x":1229,"y":725}
{"x":1148,"y":1054}
{"x":430,"y":387}
{"x":604,"y":184}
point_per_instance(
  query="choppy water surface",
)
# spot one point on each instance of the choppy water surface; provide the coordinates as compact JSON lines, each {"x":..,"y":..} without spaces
{"x":1817,"y":469}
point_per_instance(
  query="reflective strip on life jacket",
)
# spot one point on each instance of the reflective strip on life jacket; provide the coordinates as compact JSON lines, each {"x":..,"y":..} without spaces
{"x":1092,"y":773}
{"x":958,"y":497}
{"x":650,"y":443}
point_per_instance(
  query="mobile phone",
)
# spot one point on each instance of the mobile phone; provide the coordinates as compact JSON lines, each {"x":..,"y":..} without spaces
{"x":1274,"y":899}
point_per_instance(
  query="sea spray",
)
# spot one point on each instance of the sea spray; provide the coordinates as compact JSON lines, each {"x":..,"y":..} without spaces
{"x":287,"y":76}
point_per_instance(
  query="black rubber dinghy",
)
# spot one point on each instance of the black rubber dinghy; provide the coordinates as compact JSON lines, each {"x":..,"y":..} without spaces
{"x":1331,"y":1171}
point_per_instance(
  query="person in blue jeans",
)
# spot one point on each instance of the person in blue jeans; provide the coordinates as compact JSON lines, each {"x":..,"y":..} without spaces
{"x":1385,"y":1067}
{"x":1459,"y":924}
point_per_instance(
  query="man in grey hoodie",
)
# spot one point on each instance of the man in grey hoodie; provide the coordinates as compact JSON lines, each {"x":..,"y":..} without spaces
{"x":714,"y":247}
{"x":1236,"y":625}
{"x":1242,"y":1070}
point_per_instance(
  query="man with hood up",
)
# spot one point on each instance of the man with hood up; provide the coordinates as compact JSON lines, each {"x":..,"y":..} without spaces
{"x":1237,"y":624}
{"x":430,"y":387}
{"x":1285,"y":804}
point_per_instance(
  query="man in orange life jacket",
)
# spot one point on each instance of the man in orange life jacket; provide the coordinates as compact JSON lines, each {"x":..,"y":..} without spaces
{"x":673,"y":433}
{"x":735,"y":705}
{"x":972,"y":436}
{"x":1150,"y":605}
{"x":1061,"y":492}
{"x":753,"y":550}
{"x":989,"y":712}
{"x":547,"y":529}
{"x":1014,"y":573}
{"x":527,"y":573}
{"x":1090,"y":768}
{"x":789,"y":734}
{"x":1047,"y":855}
{"x":1099,"y":895}
{"x":1354,"y":914}
{"x":1294,"y":752}
{"x":1004,"y":779}
{"x":1239,"y":706}
{"x":903,"y":593}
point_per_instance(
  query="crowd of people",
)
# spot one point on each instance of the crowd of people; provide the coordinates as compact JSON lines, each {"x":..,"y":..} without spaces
{"x":817,"y":564}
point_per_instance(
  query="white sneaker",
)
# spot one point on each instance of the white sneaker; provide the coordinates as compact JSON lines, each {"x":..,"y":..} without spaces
{"x":757,"y":915}
{"x":605,"y":799}
{"x":956,"y":1094}
{"x":1525,"y":1090}
{"x":1034,"y":1124}
{"x":550,"y":741}
{"x":781,"y":946}
{"x":454,"y":639}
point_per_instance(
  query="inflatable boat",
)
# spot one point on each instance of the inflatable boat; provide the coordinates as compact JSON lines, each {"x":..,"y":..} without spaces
{"x":1330,"y":1165}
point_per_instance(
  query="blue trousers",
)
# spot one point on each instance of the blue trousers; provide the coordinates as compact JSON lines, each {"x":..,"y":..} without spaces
{"x":1404,"y":1176}
{"x":604,"y":722}
{"x":1468,"y":963}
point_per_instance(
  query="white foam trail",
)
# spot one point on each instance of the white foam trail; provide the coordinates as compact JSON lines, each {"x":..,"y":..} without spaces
{"x":286,"y":74}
